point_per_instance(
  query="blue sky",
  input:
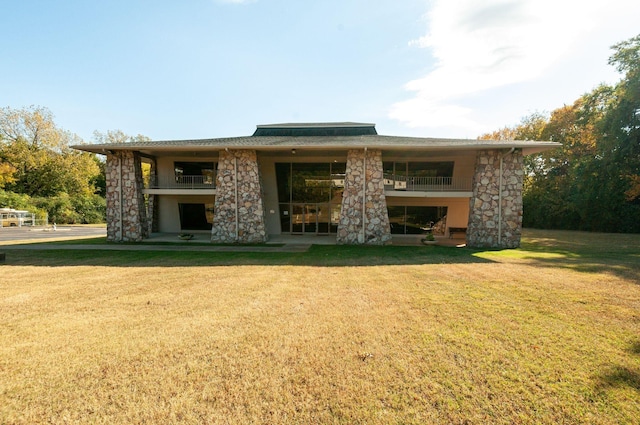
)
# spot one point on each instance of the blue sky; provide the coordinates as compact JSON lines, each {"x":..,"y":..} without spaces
{"x":214,"y":68}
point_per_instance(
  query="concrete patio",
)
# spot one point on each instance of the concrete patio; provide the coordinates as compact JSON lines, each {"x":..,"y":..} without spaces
{"x":400,"y":240}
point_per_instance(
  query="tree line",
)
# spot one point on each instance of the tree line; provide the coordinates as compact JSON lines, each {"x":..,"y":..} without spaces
{"x":41,"y":173}
{"x":591,"y":182}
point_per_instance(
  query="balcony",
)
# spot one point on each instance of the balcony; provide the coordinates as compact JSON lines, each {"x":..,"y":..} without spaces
{"x":180,"y":184}
{"x":459,"y":185}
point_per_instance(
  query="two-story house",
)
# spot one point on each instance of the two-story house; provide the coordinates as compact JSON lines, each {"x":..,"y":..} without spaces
{"x":317,"y":179}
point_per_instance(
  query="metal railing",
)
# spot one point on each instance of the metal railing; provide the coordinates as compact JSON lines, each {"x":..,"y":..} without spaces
{"x":427,"y":184}
{"x":391,"y":182}
{"x":182,"y":182}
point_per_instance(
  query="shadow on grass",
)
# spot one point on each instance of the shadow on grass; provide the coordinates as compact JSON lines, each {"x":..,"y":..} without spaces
{"x":585,"y":252}
{"x":317,"y":255}
{"x":618,"y":254}
{"x":95,"y":242}
{"x":620,"y":376}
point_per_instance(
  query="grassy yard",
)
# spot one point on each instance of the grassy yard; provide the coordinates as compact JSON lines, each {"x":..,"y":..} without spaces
{"x":549,"y":333}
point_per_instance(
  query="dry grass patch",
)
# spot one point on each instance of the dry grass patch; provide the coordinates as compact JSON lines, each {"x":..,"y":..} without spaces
{"x":483,"y":337}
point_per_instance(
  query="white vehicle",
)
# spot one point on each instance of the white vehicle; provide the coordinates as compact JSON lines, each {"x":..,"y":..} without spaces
{"x":16,"y":218}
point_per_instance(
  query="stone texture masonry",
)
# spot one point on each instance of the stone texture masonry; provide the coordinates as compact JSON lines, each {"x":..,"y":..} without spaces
{"x":248,"y":210}
{"x":484,"y":228}
{"x":376,"y":229}
{"x":126,"y":213}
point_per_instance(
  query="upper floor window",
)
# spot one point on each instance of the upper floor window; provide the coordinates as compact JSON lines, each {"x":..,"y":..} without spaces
{"x":205,"y":171}
{"x":419,"y":169}
{"x":310,"y":182}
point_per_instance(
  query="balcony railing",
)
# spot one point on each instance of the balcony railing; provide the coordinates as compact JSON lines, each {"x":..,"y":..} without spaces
{"x":427,"y":184}
{"x":391,"y":182}
{"x":182,"y":182}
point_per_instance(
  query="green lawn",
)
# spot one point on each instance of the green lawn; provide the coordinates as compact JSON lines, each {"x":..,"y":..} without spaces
{"x":549,"y":333}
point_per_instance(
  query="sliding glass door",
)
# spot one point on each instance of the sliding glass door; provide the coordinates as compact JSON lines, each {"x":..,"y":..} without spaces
{"x":310,"y":196}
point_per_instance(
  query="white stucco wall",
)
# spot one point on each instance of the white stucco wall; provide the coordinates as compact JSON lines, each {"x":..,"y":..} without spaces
{"x":464,"y":165}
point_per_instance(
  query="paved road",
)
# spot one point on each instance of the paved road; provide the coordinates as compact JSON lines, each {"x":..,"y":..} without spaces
{"x":31,"y":234}
{"x":175,"y":248}
{"x":25,"y":238}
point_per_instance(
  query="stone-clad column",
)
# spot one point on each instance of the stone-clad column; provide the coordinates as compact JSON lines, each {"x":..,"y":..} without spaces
{"x":126,"y":212}
{"x":238,"y":173}
{"x":376,"y":229}
{"x":485,"y":229}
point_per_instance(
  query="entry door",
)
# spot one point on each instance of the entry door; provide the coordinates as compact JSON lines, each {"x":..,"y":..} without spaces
{"x":298,"y":218}
{"x":310,"y":218}
{"x":323,"y":219}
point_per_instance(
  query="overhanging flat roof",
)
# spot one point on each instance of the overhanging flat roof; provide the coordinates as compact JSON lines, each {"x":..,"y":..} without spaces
{"x":279,"y":143}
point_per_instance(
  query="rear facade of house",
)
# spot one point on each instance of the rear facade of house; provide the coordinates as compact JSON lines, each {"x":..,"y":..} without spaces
{"x":340,"y":179}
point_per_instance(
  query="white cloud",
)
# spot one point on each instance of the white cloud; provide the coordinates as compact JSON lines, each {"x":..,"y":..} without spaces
{"x":483,"y":45}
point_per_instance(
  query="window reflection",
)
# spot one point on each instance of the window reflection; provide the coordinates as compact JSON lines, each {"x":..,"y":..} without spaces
{"x":419,"y":169}
{"x":408,"y":220}
{"x":310,"y":196}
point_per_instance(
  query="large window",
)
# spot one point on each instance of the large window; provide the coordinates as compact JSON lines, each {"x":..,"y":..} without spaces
{"x":195,"y":172}
{"x":407,"y":220}
{"x":419,"y":169}
{"x":195,"y":216}
{"x":310,"y":196}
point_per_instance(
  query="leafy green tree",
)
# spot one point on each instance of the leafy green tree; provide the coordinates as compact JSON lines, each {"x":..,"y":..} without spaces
{"x":89,"y":209}
{"x":99,"y":182}
{"x":592,"y":182}
{"x":606,"y":184}
{"x":621,"y":123}
{"x":529,"y":128}
{"x":39,"y":155}
{"x":117,"y":136}
{"x":42,"y":174}
{"x":7,"y":172}
{"x":16,"y":200}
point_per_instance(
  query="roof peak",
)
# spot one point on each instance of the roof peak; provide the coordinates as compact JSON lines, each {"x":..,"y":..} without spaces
{"x":316,"y":125}
{"x":316,"y":129}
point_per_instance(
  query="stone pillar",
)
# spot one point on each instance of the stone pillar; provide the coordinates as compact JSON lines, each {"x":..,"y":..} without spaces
{"x":126,"y":212}
{"x":238,"y":172}
{"x":485,"y":229}
{"x":376,"y":229}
